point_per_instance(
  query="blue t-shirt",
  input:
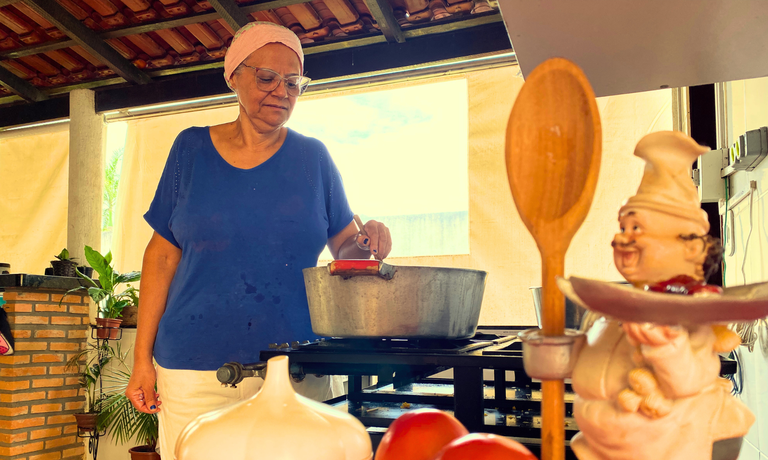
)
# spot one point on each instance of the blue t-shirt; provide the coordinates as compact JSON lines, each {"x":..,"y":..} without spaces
{"x":245,"y":235}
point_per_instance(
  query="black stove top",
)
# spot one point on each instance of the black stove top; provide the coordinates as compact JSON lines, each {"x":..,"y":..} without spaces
{"x":379,"y":345}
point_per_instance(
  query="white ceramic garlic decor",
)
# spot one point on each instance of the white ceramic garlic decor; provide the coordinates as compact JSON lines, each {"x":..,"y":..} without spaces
{"x":275,"y":424}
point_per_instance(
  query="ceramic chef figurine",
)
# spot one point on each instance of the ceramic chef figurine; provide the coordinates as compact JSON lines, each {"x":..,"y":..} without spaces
{"x":650,"y":392}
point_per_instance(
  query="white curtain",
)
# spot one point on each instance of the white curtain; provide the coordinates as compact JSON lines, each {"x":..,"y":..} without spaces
{"x":33,"y":196}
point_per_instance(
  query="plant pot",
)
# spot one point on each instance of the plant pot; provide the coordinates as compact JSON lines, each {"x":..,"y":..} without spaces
{"x":87,"y":271}
{"x":108,"y":328}
{"x":86,"y":422}
{"x":130,"y":316}
{"x":64,"y":268}
{"x":143,"y":453}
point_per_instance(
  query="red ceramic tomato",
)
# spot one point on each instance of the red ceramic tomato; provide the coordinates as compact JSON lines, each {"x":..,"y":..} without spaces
{"x":419,"y":435}
{"x":483,"y":446}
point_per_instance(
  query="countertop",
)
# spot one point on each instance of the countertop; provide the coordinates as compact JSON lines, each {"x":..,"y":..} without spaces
{"x":23,"y":280}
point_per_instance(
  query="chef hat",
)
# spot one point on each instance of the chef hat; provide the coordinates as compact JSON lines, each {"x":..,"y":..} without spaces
{"x":666,"y":185}
{"x":255,"y":35}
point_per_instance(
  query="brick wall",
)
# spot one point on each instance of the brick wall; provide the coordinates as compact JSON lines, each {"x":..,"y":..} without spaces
{"x":37,"y":395}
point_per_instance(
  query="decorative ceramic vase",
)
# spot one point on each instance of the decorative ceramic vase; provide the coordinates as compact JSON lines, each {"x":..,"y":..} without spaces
{"x":275,"y":424}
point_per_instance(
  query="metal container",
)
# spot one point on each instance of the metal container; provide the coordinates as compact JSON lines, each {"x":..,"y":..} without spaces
{"x":574,"y":314}
{"x":551,"y":358}
{"x":373,"y":299}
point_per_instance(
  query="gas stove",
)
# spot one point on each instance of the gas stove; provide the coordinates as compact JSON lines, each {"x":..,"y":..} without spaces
{"x":387,"y":377}
{"x":480,"y":380}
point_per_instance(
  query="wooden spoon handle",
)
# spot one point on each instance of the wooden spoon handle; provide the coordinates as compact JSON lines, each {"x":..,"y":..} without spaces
{"x":553,"y":301}
{"x":552,"y":391}
{"x":552,"y":420}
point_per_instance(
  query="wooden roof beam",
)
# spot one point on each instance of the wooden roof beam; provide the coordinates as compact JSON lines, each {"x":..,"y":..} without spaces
{"x":382,"y":13}
{"x":230,"y":12}
{"x":88,"y":39}
{"x":143,"y":28}
{"x":20,"y":86}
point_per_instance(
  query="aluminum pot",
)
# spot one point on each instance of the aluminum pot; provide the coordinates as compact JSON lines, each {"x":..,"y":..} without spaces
{"x":368,"y":298}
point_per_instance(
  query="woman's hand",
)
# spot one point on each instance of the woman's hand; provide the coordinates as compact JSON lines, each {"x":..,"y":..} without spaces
{"x":141,"y":389}
{"x":378,"y":240}
{"x":350,"y":243}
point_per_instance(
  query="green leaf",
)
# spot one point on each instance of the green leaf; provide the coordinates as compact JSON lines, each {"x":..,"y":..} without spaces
{"x":79,"y":288}
{"x":98,"y":262}
{"x":116,"y":310}
{"x":63,"y":255}
{"x":88,"y":379}
{"x":134,"y":297}
{"x":97,"y":294}
{"x":85,"y":277}
{"x":129,"y":277}
{"x":108,"y":257}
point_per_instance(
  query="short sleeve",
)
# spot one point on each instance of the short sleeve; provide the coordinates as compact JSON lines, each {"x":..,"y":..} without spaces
{"x":339,"y":212}
{"x":160,"y":210}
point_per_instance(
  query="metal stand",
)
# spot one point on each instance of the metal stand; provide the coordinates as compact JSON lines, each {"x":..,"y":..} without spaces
{"x":94,"y":435}
{"x":95,"y":334}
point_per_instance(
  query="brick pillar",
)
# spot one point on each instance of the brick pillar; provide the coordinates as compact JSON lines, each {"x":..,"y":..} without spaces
{"x":37,"y":395}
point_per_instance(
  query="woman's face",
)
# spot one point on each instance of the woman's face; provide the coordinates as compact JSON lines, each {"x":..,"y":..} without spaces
{"x":268,"y":111}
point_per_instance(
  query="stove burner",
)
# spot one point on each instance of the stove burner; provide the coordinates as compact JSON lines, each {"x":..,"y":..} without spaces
{"x":374,"y":345}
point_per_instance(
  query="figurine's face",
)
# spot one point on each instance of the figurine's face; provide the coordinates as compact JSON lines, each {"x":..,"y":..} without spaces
{"x":648,"y":249}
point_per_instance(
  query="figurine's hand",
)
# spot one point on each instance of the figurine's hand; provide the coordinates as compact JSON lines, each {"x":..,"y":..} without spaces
{"x":725,"y":339}
{"x":644,"y":395}
{"x":650,"y":334}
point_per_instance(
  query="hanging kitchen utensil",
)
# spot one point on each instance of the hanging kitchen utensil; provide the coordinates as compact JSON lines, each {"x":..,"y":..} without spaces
{"x":553,"y":158}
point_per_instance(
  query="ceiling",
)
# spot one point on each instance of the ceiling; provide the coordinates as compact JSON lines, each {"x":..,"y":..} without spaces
{"x":137,"y":52}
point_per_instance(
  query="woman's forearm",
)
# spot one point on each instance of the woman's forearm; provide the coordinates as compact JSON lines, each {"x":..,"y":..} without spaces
{"x":160,"y":261}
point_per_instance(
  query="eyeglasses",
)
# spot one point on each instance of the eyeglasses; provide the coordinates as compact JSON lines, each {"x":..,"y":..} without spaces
{"x":269,"y":80}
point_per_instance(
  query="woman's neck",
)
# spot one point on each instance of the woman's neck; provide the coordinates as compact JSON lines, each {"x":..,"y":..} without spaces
{"x":244,"y":146}
{"x":246,"y":135}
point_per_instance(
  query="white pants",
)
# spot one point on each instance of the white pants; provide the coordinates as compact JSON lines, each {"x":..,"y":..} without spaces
{"x":188,"y":394}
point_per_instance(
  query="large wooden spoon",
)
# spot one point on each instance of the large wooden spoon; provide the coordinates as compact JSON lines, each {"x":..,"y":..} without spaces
{"x":553,"y":158}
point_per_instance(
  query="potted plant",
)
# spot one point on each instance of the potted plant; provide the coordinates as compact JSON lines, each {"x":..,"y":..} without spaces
{"x":64,"y":265}
{"x":122,"y":421}
{"x":108,"y":293}
{"x":90,"y":364}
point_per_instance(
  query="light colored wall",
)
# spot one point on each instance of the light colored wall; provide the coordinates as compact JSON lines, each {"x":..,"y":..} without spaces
{"x":748,"y":109}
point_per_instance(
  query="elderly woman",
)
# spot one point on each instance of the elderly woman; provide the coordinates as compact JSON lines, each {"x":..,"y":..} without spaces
{"x":240,"y":210}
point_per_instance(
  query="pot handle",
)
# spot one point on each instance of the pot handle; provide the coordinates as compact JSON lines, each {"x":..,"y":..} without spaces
{"x":350,"y":268}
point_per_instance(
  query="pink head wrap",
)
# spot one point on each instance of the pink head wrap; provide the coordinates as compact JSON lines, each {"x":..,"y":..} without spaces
{"x":255,"y":35}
